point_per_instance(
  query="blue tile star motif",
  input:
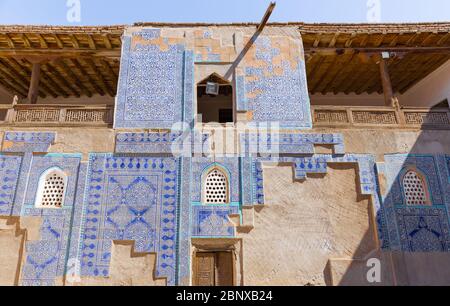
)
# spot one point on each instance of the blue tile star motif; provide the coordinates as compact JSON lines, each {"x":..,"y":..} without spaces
{"x":130,"y":198}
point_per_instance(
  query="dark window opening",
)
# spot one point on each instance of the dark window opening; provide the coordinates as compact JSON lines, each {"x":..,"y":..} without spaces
{"x":443,"y":104}
{"x":215,"y":106}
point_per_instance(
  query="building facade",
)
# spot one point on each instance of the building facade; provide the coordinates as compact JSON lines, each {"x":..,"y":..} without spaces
{"x":195,"y":154}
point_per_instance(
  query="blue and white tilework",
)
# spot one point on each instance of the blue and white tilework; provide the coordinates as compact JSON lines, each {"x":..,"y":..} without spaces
{"x":130,"y":198}
{"x":212,"y":221}
{"x":46,"y":259}
{"x":274,"y":143}
{"x":177,"y":143}
{"x":9,"y":178}
{"x":200,"y":166}
{"x":416,"y":228}
{"x":151,"y":82}
{"x":38,"y":142}
{"x":279,"y":98}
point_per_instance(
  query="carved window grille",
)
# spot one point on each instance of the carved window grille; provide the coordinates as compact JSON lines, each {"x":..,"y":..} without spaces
{"x":52,"y":189}
{"x":215,"y":189}
{"x":415,"y":189}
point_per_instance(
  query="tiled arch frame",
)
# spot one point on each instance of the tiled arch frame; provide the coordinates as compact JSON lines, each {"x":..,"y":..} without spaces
{"x":423,"y":177}
{"x":206,"y":172}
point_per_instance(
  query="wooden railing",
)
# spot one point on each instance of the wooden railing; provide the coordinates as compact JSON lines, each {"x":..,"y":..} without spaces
{"x":357,"y":116}
{"x":56,"y":115}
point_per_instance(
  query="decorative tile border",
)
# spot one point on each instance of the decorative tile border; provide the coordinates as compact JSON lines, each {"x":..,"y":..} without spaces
{"x":20,"y":142}
{"x":163,"y":143}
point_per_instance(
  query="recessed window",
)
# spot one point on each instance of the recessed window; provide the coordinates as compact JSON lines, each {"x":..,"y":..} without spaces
{"x":415,"y":189}
{"x":215,"y":99}
{"x":215,"y":189}
{"x":51,"y":189}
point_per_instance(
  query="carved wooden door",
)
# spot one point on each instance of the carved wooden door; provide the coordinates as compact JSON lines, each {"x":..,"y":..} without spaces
{"x":204,"y":274}
{"x":213,"y":269}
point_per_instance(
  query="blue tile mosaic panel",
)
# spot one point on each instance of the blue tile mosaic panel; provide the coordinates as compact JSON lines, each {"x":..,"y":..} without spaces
{"x":200,"y":165}
{"x":277,"y":97}
{"x":178,"y":143}
{"x":423,"y":230}
{"x":46,"y":259}
{"x":130,"y":198}
{"x":273,"y":143}
{"x":9,"y":177}
{"x":151,"y":82}
{"x":21,"y":142}
{"x":213,"y":221}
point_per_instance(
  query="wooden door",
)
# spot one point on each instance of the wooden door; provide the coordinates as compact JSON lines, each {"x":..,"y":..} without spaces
{"x":213,"y":269}
{"x":204,"y":273}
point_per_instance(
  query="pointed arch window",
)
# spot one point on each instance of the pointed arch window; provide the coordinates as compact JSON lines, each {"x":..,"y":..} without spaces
{"x":415,"y":189}
{"x":215,"y":187}
{"x":51,"y":189}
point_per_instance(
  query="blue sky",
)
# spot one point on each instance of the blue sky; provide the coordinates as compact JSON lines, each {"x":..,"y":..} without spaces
{"x":98,"y":12}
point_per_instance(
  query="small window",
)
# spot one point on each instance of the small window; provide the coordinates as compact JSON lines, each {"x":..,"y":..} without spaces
{"x":215,"y":190}
{"x":215,"y":99}
{"x":415,"y":189}
{"x":51,"y":189}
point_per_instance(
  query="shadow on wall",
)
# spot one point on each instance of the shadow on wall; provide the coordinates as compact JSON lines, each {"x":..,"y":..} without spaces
{"x":413,"y":220}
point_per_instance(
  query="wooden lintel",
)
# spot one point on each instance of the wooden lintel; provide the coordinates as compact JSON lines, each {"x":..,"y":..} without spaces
{"x":66,"y":52}
{"x":332,"y":51}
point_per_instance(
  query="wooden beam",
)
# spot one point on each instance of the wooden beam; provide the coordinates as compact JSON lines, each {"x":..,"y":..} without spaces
{"x":102,"y":81}
{"x":58,"y":77}
{"x":84,"y":73}
{"x":74,"y":78}
{"x":107,"y":41}
{"x":422,"y":49}
{"x":386,"y":82}
{"x":58,"y":41}
{"x":23,"y":74}
{"x":14,"y":79}
{"x":34,"y":83}
{"x":266,"y":16}
{"x":65,"y":52}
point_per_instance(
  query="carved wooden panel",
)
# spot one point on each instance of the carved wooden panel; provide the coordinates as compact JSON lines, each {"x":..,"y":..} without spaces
{"x":331,"y":116}
{"x":418,"y":118}
{"x":374,"y":117}
{"x":204,"y":274}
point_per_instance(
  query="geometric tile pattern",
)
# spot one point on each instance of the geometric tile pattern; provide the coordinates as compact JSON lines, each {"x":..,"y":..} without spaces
{"x":46,"y":259}
{"x":213,"y":220}
{"x":9,"y":177}
{"x":150,"y":91}
{"x":130,"y":198}
{"x":162,"y":143}
{"x":416,"y":227}
{"x":201,"y":167}
{"x":280,"y":97}
{"x":279,"y":143}
{"x":28,"y":141}
{"x":423,"y":230}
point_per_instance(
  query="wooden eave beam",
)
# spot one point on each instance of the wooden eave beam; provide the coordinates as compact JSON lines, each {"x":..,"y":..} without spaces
{"x":431,"y":50}
{"x":85,"y":74}
{"x":58,"y":77}
{"x":65,"y":52}
{"x":23,"y":74}
{"x":102,"y":81}
{"x":74,"y":78}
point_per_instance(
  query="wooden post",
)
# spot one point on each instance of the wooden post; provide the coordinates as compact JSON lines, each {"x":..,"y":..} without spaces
{"x":386,"y":81}
{"x":33,"y":92}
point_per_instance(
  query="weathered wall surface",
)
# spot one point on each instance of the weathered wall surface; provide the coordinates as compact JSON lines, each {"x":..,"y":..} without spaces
{"x":303,"y":224}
